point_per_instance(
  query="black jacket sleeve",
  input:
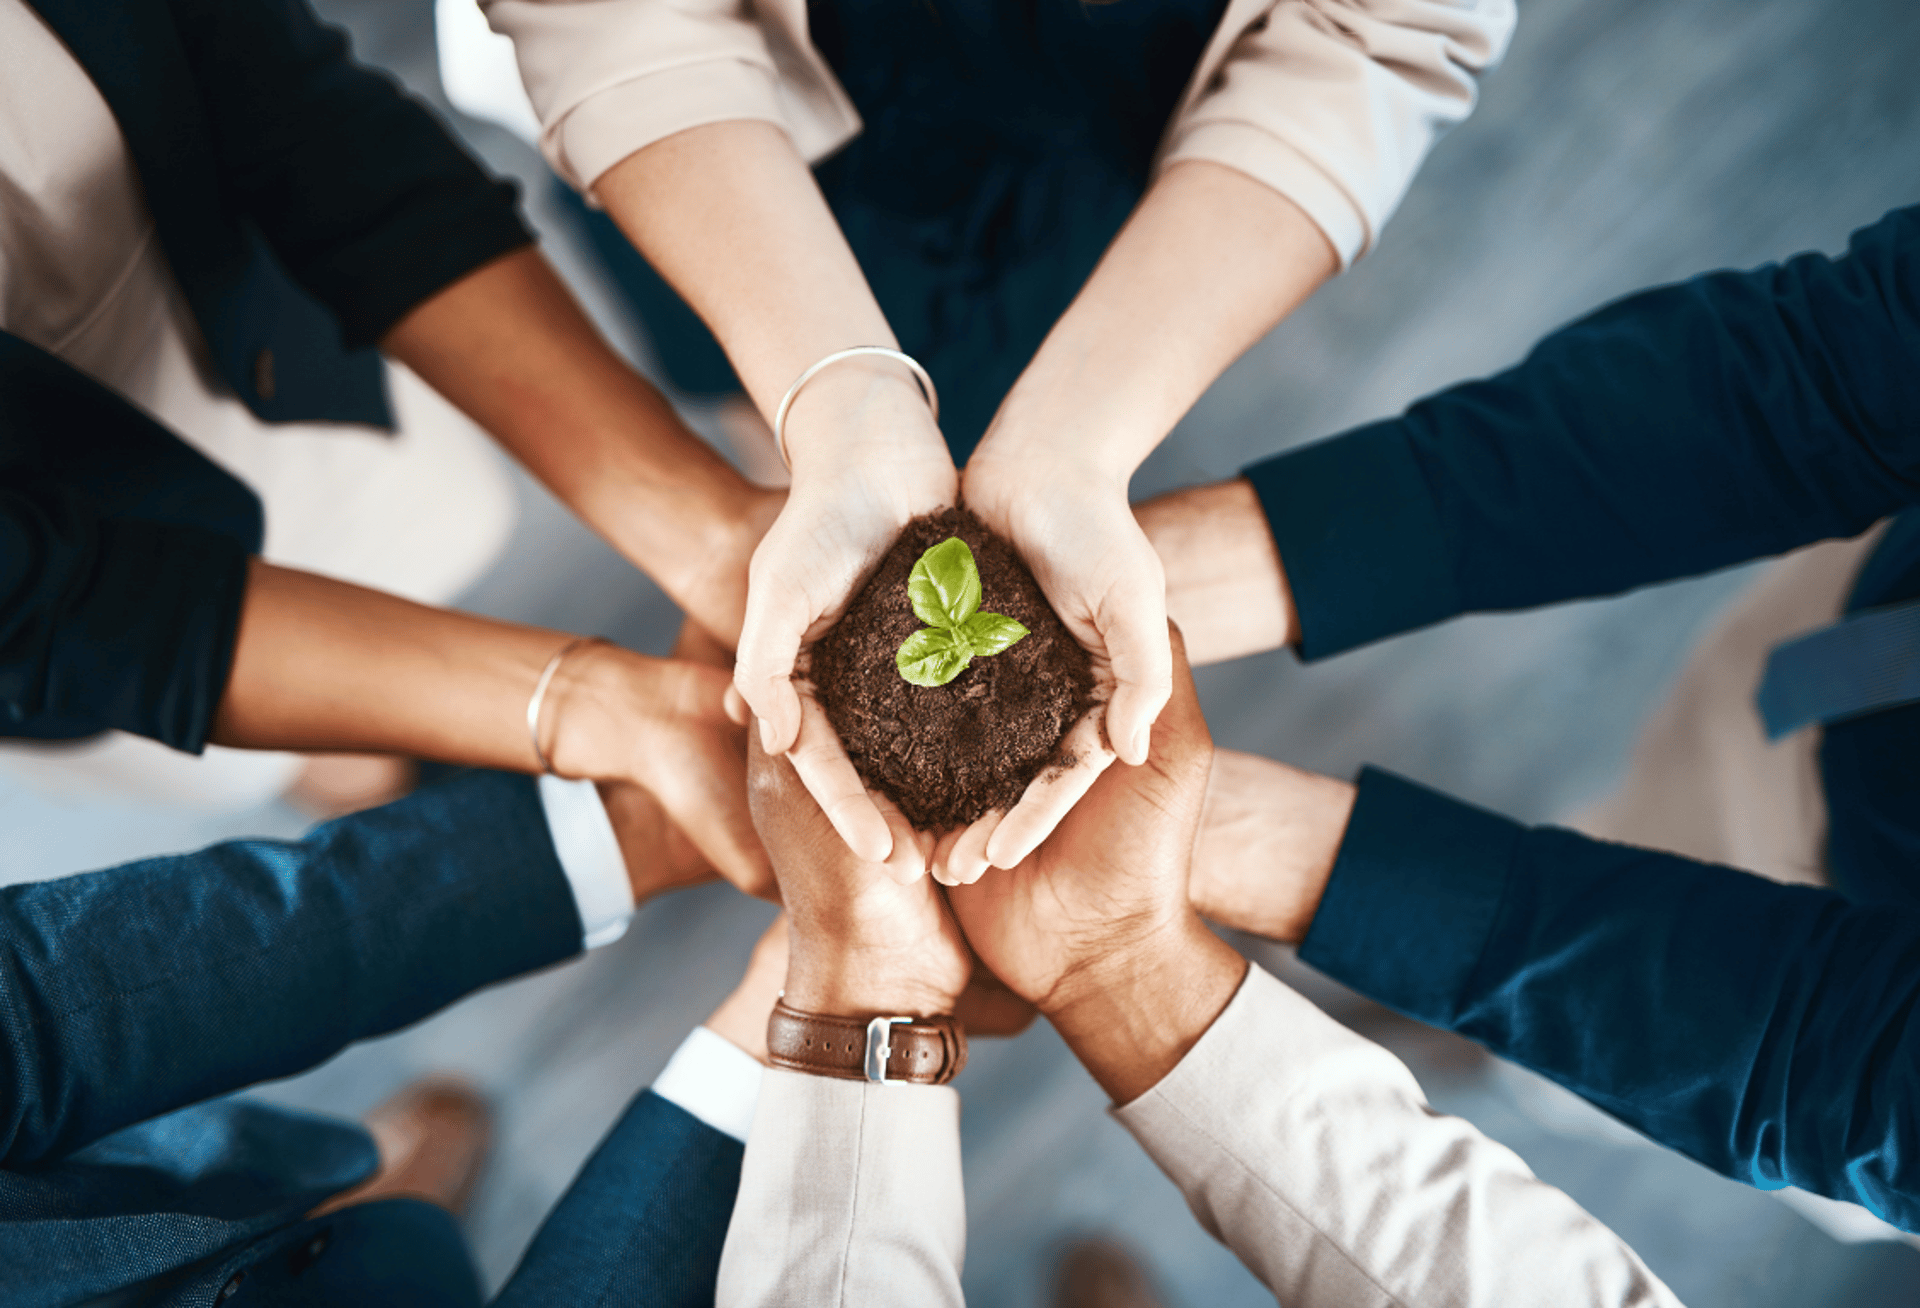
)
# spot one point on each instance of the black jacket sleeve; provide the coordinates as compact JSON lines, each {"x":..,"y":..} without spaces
{"x":1680,"y":430}
{"x":132,"y":992}
{"x":360,"y":191}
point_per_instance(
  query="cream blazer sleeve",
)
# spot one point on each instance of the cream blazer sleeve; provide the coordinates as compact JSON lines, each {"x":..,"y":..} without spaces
{"x":850,"y":1196}
{"x":1332,"y":103}
{"x":1311,"y":1153}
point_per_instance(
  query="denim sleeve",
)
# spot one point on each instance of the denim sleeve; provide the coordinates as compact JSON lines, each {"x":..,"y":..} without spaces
{"x":1770,"y":1032}
{"x":1679,"y":430}
{"x":141,"y":989}
{"x":361,"y":192}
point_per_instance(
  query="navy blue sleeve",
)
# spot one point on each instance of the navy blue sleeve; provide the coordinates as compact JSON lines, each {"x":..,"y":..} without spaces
{"x":1768,"y":1031}
{"x":1680,"y":430}
{"x":362,"y":193}
{"x":107,"y":623}
{"x":644,"y":1221}
{"x":131,"y":992}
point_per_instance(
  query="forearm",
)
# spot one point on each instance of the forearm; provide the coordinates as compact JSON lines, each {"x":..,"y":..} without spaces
{"x":730,"y":215}
{"x":511,"y":347}
{"x":1764,"y":1030}
{"x":279,"y":953}
{"x":322,"y":665}
{"x":1208,"y":263}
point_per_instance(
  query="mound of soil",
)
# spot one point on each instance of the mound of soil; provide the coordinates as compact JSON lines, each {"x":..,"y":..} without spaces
{"x":948,"y":754}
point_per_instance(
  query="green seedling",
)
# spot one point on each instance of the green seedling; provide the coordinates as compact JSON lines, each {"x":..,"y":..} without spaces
{"x":945,"y":590}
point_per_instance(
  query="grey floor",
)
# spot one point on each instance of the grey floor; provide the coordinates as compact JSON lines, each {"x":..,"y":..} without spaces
{"x":1621,"y":144}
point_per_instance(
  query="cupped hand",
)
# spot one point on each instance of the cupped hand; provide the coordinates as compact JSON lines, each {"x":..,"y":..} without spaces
{"x":662,"y":725}
{"x":866,"y":458}
{"x":1075,"y":529}
{"x":1110,"y":879}
{"x":864,"y":939}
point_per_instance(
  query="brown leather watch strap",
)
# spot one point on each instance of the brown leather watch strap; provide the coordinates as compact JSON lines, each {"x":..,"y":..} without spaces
{"x":917,"y":1051}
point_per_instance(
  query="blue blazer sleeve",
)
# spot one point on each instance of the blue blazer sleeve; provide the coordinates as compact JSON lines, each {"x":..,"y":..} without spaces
{"x":644,"y":1221}
{"x":131,"y":992}
{"x":1770,"y":1032}
{"x":1679,"y":430}
{"x":362,"y":194}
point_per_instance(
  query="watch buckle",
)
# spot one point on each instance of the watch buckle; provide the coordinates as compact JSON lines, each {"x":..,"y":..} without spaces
{"x":880,"y":1048}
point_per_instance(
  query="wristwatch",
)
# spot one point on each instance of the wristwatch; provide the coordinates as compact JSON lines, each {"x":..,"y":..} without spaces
{"x":884,"y":1050}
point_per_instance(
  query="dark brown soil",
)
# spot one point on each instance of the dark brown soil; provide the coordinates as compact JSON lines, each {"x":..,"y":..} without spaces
{"x":948,"y":754}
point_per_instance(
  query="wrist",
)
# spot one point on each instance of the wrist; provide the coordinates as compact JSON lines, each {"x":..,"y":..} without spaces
{"x":1226,"y":587}
{"x":852,"y":981}
{"x":1132,"y":1016}
{"x":854,"y":409}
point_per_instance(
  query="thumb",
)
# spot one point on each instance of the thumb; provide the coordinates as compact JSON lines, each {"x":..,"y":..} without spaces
{"x":777,"y":619}
{"x":1133,"y":622}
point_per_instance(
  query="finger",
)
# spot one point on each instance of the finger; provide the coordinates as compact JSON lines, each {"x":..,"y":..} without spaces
{"x":969,"y":861}
{"x":1133,"y":623}
{"x":908,"y":861}
{"x":943,"y":851}
{"x":825,"y":770}
{"x":735,"y":706}
{"x":1051,"y":795}
{"x":777,"y":620}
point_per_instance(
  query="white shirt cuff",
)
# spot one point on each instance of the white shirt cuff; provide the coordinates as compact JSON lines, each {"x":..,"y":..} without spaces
{"x":715,"y":1080}
{"x":590,"y":856}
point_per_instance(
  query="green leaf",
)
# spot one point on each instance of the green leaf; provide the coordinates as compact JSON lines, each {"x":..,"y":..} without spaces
{"x":933,"y":656}
{"x":945,"y":586}
{"x":989,"y":633}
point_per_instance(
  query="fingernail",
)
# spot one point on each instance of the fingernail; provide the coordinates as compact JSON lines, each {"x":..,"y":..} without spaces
{"x":1142,"y":742}
{"x":766,"y":736}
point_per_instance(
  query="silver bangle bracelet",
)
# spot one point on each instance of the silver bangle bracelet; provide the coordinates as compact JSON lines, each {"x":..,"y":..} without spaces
{"x":539,"y":698}
{"x":878,"y":351}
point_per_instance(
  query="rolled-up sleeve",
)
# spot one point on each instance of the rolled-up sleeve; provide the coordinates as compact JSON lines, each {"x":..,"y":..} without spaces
{"x":1335,"y":103}
{"x":610,"y":77}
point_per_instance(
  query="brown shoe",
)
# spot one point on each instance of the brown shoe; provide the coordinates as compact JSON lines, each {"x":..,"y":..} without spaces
{"x":1095,"y":1273}
{"x":433,"y":1138}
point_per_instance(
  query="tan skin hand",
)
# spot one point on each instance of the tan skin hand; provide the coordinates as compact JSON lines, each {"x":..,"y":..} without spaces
{"x":861,"y":941}
{"x":1095,"y":927}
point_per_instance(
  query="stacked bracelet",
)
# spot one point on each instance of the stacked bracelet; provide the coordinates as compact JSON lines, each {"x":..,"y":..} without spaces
{"x":539,"y":698}
{"x":879,"y":351}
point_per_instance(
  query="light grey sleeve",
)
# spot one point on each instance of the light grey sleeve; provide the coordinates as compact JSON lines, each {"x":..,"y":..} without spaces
{"x":1311,"y":1153}
{"x":850,"y":1194}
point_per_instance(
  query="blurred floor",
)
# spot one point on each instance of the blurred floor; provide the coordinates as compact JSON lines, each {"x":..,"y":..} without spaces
{"x":1621,"y":144}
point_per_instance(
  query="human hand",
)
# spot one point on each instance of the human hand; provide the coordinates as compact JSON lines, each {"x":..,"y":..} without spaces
{"x":865,"y":937}
{"x":662,"y":725}
{"x":1269,"y":836}
{"x":866,"y":458}
{"x":1095,"y":928}
{"x":1071,"y":522}
{"x":1226,"y":589}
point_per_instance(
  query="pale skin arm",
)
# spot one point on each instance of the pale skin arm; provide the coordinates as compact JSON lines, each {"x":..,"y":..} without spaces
{"x":510,"y":346}
{"x":321,"y":665}
{"x":731,"y":217}
{"x":1208,"y":263}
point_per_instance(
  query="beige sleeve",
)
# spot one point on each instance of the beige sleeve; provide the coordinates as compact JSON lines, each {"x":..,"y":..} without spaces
{"x":609,"y":77}
{"x":1335,"y":103}
{"x":850,"y":1195}
{"x":1311,"y":1153}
